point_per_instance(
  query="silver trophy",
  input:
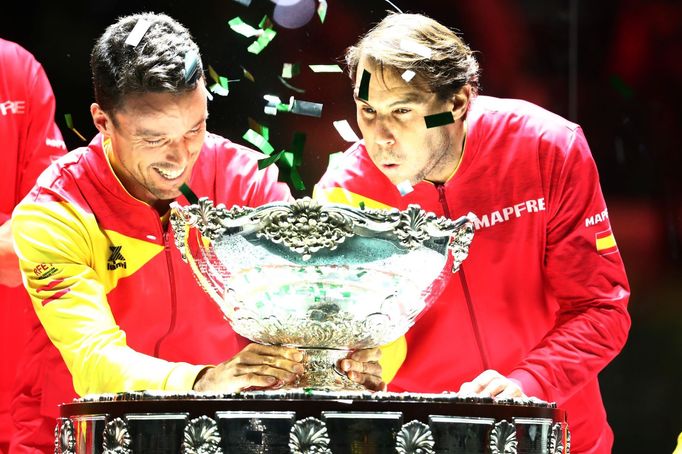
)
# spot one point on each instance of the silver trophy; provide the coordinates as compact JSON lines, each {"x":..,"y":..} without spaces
{"x":327,"y":279}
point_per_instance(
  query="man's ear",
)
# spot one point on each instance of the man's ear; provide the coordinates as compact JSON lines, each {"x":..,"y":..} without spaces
{"x":102,"y":121}
{"x":460,"y":102}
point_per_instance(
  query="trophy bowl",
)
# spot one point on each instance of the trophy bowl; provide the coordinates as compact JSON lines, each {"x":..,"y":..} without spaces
{"x":327,"y":279}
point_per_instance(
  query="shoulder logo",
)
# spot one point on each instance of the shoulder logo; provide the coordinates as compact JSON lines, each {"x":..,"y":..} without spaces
{"x":116,"y":259}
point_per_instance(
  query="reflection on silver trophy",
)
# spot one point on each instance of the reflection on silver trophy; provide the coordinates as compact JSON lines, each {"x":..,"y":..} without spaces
{"x":327,"y":279}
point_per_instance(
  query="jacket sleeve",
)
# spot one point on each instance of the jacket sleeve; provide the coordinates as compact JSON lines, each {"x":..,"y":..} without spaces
{"x":584,"y":273}
{"x":43,"y":140}
{"x":70,"y":300}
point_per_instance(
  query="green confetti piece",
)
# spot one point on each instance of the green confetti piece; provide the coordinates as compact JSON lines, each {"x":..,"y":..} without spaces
{"x":263,"y":163}
{"x":69,"y":124}
{"x":263,"y":40}
{"x":213,"y":74}
{"x":258,"y":141}
{"x":290,"y":70}
{"x":248,"y":74}
{"x":189,"y":194}
{"x":439,"y":119}
{"x":363,"y":90}
{"x":289,"y":86}
{"x":362,"y":207}
{"x":224,"y":82}
{"x":69,"y":120}
{"x":219,"y":90}
{"x":239,"y":26}
{"x":322,"y":10}
{"x":296,"y":179}
{"x":259,"y":128}
{"x":265,"y":23}
{"x":283,"y":107}
{"x":192,"y":65}
{"x":325,"y":68}
{"x":288,"y":159}
{"x":297,"y":144}
{"x":308,"y":391}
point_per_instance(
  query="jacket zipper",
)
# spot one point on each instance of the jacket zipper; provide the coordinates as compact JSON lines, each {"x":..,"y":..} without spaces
{"x":173,"y":293}
{"x":465,"y":286}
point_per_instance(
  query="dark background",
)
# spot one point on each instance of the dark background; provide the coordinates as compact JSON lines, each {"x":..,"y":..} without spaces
{"x":615,"y":67}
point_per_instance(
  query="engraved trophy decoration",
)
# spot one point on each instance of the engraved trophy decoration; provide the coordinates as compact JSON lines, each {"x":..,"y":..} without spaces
{"x":327,"y":279}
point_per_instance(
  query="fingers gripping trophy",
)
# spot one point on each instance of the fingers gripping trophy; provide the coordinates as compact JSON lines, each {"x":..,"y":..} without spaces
{"x":326,"y":279}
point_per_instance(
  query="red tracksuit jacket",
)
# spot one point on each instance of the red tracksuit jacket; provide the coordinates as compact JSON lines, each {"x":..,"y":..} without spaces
{"x":29,"y":139}
{"x":120,"y":307}
{"x":542,"y":296}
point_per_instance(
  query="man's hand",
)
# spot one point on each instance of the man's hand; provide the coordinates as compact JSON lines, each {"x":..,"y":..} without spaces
{"x":363,"y":367}
{"x":492,"y":384}
{"x":256,"y":366}
{"x":10,"y":275}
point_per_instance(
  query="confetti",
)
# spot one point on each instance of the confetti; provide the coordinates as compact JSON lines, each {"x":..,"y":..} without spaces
{"x":244,"y":29}
{"x":334,"y":160}
{"x":192,"y":64}
{"x":69,"y":124}
{"x":325,"y":68}
{"x":265,"y":23}
{"x":289,"y":86}
{"x":409,"y":45}
{"x":189,"y":194}
{"x":137,"y":33}
{"x":219,"y":90}
{"x":405,"y":187}
{"x":310,"y":109}
{"x":263,"y":40}
{"x":345,"y":130}
{"x":296,"y":179}
{"x":439,"y":119}
{"x":322,"y":10}
{"x":244,"y":2}
{"x":263,"y":163}
{"x":290,"y":70}
{"x":259,"y":128}
{"x":362,"y":207}
{"x":297,"y":144}
{"x":248,"y":74}
{"x":258,"y":141}
{"x":363,"y":90}
{"x":408,"y":75}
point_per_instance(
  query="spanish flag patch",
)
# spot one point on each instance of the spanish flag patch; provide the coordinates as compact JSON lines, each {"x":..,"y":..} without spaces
{"x":605,"y":242}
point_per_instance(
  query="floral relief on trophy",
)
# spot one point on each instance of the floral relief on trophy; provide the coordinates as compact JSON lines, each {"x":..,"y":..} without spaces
{"x":65,"y":439}
{"x":116,"y":437}
{"x":503,"y":438}
{"x":309,"y":436}
{"x":414,"y":437}
{"x":201,"y":436}
{"x":556,"y":445}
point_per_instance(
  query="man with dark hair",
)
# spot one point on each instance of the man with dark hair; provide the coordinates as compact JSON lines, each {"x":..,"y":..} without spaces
{"x":540,"y":306}
{"x":118,"y":308}
{"x":29,"y":140}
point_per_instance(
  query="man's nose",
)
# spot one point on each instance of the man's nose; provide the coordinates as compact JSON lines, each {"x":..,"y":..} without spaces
{"x":384,"y":134}
{"x":180,"y":151}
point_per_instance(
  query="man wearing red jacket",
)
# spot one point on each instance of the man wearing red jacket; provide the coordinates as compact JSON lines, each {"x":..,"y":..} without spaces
{"x":539,"y":306}
{"x":118,"y":309}
{"x":29,"y":140}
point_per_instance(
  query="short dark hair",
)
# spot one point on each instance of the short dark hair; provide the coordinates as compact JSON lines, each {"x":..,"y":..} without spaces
{"x":452,"y":63}
{"x":155,"y":64}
